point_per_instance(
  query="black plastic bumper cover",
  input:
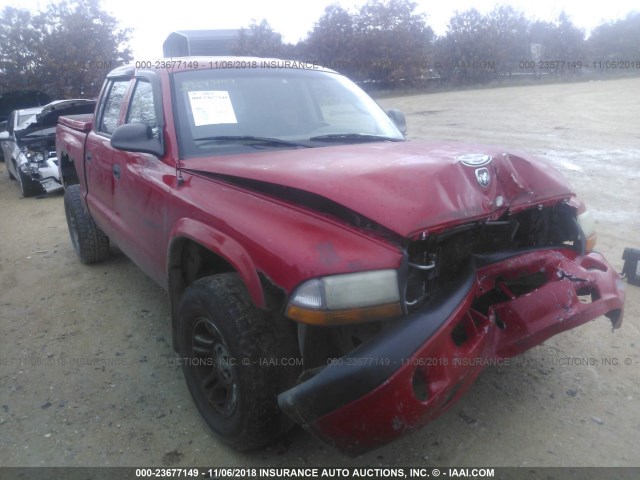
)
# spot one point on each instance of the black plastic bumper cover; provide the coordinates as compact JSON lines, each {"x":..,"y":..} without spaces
{"x":357,"y":373}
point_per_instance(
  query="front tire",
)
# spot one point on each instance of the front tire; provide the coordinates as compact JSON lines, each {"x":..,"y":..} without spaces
{"x":89,"y":242}
{"x":232,"y":357}
{"x":28,"y":186}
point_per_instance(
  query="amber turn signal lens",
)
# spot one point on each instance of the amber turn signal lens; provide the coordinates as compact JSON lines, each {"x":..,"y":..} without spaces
{"x":343,"y":317}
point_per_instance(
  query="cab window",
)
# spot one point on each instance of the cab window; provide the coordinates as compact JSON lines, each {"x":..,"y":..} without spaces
{"x":111,"y":107}
{"x":142,"y":108}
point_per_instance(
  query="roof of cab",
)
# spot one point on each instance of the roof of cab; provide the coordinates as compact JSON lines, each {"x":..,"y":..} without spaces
{"x":178,"y":64}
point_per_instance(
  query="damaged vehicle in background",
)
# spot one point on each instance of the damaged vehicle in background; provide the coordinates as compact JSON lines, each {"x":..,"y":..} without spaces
{"x":320,"y":268}
{"x":7,"y":143}
{"x":18,"y":100}
{"x":29,"y":148}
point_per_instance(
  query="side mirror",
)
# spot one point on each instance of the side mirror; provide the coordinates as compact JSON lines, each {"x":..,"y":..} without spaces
{"x":137,"y":137}
{"x":397,"y":117}
{"x":4,"y":136}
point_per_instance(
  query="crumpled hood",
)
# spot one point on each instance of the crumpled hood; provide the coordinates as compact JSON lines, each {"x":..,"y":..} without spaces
{"x":405,"y":186}
{"x":48,"y":116}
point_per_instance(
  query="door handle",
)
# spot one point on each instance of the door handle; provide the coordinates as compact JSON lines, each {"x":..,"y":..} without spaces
{"x":88,"y":156}
{"x":116,"y":171}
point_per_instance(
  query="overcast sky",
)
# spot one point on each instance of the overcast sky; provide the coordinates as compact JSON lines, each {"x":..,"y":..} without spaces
{"x":153,"y":21}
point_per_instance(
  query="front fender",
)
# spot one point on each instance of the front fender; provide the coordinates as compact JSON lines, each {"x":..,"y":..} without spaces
{"x":222,"y":245}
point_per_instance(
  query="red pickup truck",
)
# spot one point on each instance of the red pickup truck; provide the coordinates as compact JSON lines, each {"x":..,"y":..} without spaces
{"x":320,"y":268}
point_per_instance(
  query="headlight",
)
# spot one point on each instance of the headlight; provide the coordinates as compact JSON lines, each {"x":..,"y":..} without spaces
{"x":34,"y":156}
{"x":349,"y":298}
{"x":588,"y":225}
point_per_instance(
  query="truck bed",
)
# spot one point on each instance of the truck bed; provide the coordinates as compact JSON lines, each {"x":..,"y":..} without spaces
{"x":82,"y":122}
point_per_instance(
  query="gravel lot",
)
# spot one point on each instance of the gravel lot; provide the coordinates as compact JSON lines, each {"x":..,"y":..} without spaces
{"x":87,"y":376}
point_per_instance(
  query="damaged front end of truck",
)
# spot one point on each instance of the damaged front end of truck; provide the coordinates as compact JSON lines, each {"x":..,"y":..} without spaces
{"x":472,"y":290}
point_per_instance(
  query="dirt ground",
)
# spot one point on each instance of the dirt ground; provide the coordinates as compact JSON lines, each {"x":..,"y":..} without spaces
{"x":87,"y":376}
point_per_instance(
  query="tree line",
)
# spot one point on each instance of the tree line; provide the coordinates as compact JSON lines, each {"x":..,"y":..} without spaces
{"x":67,"y":49}
{"x":388,"y":44}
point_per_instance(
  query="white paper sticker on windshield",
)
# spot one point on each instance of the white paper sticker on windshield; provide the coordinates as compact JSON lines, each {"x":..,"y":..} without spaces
{"x":211,"y":107}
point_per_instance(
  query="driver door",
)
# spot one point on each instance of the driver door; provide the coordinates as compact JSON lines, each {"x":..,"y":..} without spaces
{"x":143,"y":186}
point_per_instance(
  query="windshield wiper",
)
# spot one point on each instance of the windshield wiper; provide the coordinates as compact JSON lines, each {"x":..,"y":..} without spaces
{"x":249,"y":139}
{"x":348,"y":137}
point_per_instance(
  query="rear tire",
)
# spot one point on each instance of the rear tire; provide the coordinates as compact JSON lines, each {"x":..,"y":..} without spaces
{"x":231,"y":355}
{"x":89,"y":242}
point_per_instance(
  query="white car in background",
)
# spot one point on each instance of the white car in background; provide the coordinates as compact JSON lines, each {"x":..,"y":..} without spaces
{"x":29,"y":144}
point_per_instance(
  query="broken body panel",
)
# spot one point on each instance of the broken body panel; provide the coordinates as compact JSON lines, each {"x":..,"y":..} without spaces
{"x":421,"y":366}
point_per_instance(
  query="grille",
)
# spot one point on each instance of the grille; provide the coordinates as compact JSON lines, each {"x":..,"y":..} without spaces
{"x":435,"y":261}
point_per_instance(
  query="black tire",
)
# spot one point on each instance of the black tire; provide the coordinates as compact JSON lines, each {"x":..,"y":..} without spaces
{"x":28,"y":186}
{"x":89,"y":242}
{"x":230,"y":351}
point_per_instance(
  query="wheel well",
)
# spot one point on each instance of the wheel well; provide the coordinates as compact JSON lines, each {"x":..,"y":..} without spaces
{"x":68,"y":174}
{"x":188,"y":262}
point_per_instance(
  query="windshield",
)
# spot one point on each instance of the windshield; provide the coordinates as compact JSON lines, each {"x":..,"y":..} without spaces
{"x":24,"y":117}
{"x":239,"y":110}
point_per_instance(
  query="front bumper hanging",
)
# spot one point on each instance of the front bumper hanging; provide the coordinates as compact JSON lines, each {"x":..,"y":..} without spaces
{"x":410,"y":374}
